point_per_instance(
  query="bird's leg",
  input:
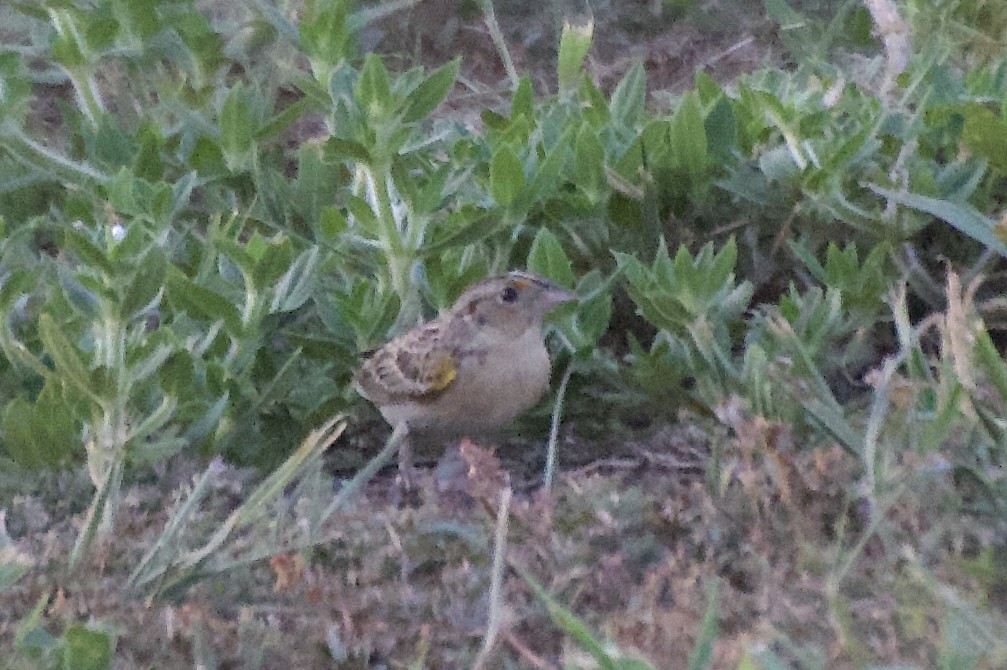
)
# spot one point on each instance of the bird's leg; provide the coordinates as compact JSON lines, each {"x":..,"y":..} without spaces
{"x":405,"y":478}
{"x":405,"y":492}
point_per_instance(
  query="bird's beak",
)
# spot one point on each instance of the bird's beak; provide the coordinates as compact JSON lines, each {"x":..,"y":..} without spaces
{"x":557,"y":295}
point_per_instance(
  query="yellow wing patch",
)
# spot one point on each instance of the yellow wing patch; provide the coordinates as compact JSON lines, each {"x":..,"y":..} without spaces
{"x":416,"y":366}
{"x":443,"y":371}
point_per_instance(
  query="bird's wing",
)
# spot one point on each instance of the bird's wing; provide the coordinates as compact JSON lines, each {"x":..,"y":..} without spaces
{"x":416,"y":366}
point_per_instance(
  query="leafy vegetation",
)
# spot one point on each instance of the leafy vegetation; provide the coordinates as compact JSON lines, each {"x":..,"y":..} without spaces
{"x":210,"y":212}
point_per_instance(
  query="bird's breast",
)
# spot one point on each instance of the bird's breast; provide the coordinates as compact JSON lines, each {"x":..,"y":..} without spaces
{"x":493,"y":385}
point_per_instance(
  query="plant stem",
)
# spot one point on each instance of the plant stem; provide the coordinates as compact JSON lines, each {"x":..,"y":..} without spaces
{"x":489,"y":15}
{"x":39,"y":157}
{"x":557,"y":413}
{"x":84,"y":85}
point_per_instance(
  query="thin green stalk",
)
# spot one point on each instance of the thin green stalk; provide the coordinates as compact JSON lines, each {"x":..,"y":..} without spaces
{"x":399,"y":251}
{"x":366,"y":473}
{"x":845,"y":560}
{"x":199,"y":562}
{"x":496,"y":580}
{"x":84,"y":85}
{"x":489,"y":15}
{"x":96,"y":513}
{"x":875,"y":422}
{"x":39,"y":157}
{"x":174,"y":571}
{"x":557,"y":413}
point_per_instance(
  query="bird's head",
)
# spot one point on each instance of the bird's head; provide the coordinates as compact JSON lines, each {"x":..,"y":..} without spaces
{"x":511,"y":303}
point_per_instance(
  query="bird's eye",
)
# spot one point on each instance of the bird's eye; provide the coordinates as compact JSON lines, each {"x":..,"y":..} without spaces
{"x":509,"y":294}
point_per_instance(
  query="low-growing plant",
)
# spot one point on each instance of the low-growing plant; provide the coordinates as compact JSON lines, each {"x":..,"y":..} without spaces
{"x":76,"y":646}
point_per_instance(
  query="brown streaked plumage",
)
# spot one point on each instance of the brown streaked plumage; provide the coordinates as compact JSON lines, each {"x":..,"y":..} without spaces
{"x":474,"y":367}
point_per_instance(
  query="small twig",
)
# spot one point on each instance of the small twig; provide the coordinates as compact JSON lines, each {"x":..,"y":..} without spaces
{"x":665,"y":460}
{"x":528,"y":654}
{"x":727,"y":228}
{"x":612,"y":463}
{"x":707,"y":62}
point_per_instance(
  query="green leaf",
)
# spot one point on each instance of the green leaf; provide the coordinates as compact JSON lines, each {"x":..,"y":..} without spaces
{"x":64,"y":355}
{"x":675,"y":295}
{"x":238,"y":126}
{"x":145,"y":285}
{"x":628,"y":166}
{"x":570,"y":624}
{"x":629,"y":96}
{"x":113,"y":144}
{"x":297,"y":283}
{"x":283,"y":119}
{"x":326,"y":39}
{"x":16,"y":88}
{"x":145,"y":362}
{"x":595,"y":310}
{"x":985,"y":134}
{"x":783,"y":14}
{"x":65,"y":48}
{"x":371,"y":89}
{"x":42,"y":434}
{"x":543,"y":183}
{"x":18,"y":282}
{"x":82,"y":299}
{"x":593,"y":105}
{"x":207,"y":158}
{"x":362,"y":213}
{"x":707,"y":88}
{"x":87,"y":252}
{"x":688,"y":136}
{"x":338,"y":149}
{"x":148,"y":162}
{"x":506,"y":176}
{"x":521,"y":102}
{"x":273,"y":261}
{"x":632,"y":664}
{"x":962,"y":216}
{"x":547,"y":258}
{"x":86,"y":649}
{"x":474,"y":228}
{"x":990,"y":360}
{"x":257,"y":37}
{"x":139,"y":18}
{"x":721,"y":130}
{"x":493,"y":120}
{"x":244,"y":256}
{"x":122,"y":192}
{"x":721,"y":269}
{"x":589,"y":162}
{"x":201,"y":302}
{"x":574,"y":42}
{"x":332,"y":223}
{"x":209,"y":421}
{"x":424,"y":98}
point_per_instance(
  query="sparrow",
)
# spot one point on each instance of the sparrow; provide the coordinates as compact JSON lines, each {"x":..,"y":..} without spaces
{"x":471,"y":369}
